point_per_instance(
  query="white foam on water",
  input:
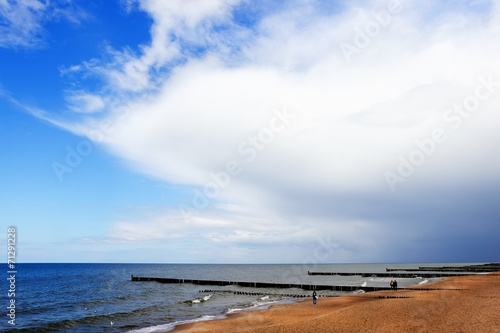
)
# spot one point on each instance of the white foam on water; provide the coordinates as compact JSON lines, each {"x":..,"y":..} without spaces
{"x":253,"y":307}
{"x":264,"y":298}
{"x":199,"y":300}
{"x":172,"y":325}
{"x":259,"y":304}
{"x":363,"y":284}
{"x":424,"y":282}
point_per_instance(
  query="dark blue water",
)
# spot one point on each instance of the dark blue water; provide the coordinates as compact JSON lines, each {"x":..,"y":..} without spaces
{"x":102,"y":297}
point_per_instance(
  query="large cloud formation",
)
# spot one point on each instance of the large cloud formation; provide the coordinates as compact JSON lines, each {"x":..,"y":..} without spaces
{"x":370,"y":124}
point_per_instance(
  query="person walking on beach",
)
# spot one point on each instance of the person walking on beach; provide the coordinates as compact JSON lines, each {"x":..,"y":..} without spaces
{"x":315,"y":296}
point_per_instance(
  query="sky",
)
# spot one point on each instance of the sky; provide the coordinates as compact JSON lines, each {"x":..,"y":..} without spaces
{"x":234,"y":131}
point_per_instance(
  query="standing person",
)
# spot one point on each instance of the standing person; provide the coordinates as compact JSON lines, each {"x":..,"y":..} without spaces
{"x":315,"y":296}
{"x":392,"y":284}
{"x":395,"y":285}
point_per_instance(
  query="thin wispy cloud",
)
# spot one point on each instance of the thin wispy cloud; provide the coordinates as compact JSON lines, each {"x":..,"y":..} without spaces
{"x":22,"y":22}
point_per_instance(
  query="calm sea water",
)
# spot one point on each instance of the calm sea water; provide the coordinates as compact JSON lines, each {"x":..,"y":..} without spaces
{"x":102,"y":297}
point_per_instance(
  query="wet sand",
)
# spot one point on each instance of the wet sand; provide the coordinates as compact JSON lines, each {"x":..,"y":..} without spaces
{"x":476,"y":308}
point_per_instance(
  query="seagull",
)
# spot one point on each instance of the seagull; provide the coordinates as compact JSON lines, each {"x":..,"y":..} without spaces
{"x":112,"y":323}
{"x":86,"y":309}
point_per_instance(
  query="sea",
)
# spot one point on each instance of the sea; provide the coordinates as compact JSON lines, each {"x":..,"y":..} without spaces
{"x":103,"y":298}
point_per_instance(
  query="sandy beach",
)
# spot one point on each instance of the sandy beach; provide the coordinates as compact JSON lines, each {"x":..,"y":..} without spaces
{"x":469,"y":304}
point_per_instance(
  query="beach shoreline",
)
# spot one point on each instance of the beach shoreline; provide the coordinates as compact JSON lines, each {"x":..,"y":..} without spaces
{"x":452,"y":304}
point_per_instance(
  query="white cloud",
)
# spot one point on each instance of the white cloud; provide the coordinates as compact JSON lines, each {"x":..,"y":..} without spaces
{"x":352,"y":119}
{"x":190,"y":21}
{"x":86,"y":103}
{"x":22,"y":21}
{"x":247,"y":233}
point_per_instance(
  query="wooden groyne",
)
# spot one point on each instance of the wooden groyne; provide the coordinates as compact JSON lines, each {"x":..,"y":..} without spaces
{"x":259,"y":284}
{"x":287,"y":295}
{"x":260,"y":293}
{"x":483,"y":268}
{"x":423,"y":271}
{"x":392,"y":275}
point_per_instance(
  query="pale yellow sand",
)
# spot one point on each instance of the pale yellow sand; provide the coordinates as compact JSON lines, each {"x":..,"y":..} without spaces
{"x":476,"y":309}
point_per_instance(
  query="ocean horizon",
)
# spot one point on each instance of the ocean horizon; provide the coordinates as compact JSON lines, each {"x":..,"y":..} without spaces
{"x":100,"y":297}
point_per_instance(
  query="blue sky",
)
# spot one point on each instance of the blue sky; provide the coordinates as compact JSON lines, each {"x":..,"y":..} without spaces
{"x":234,"y":131}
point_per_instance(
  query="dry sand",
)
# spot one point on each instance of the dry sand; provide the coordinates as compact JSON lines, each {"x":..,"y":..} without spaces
{"x":475,"y":309}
